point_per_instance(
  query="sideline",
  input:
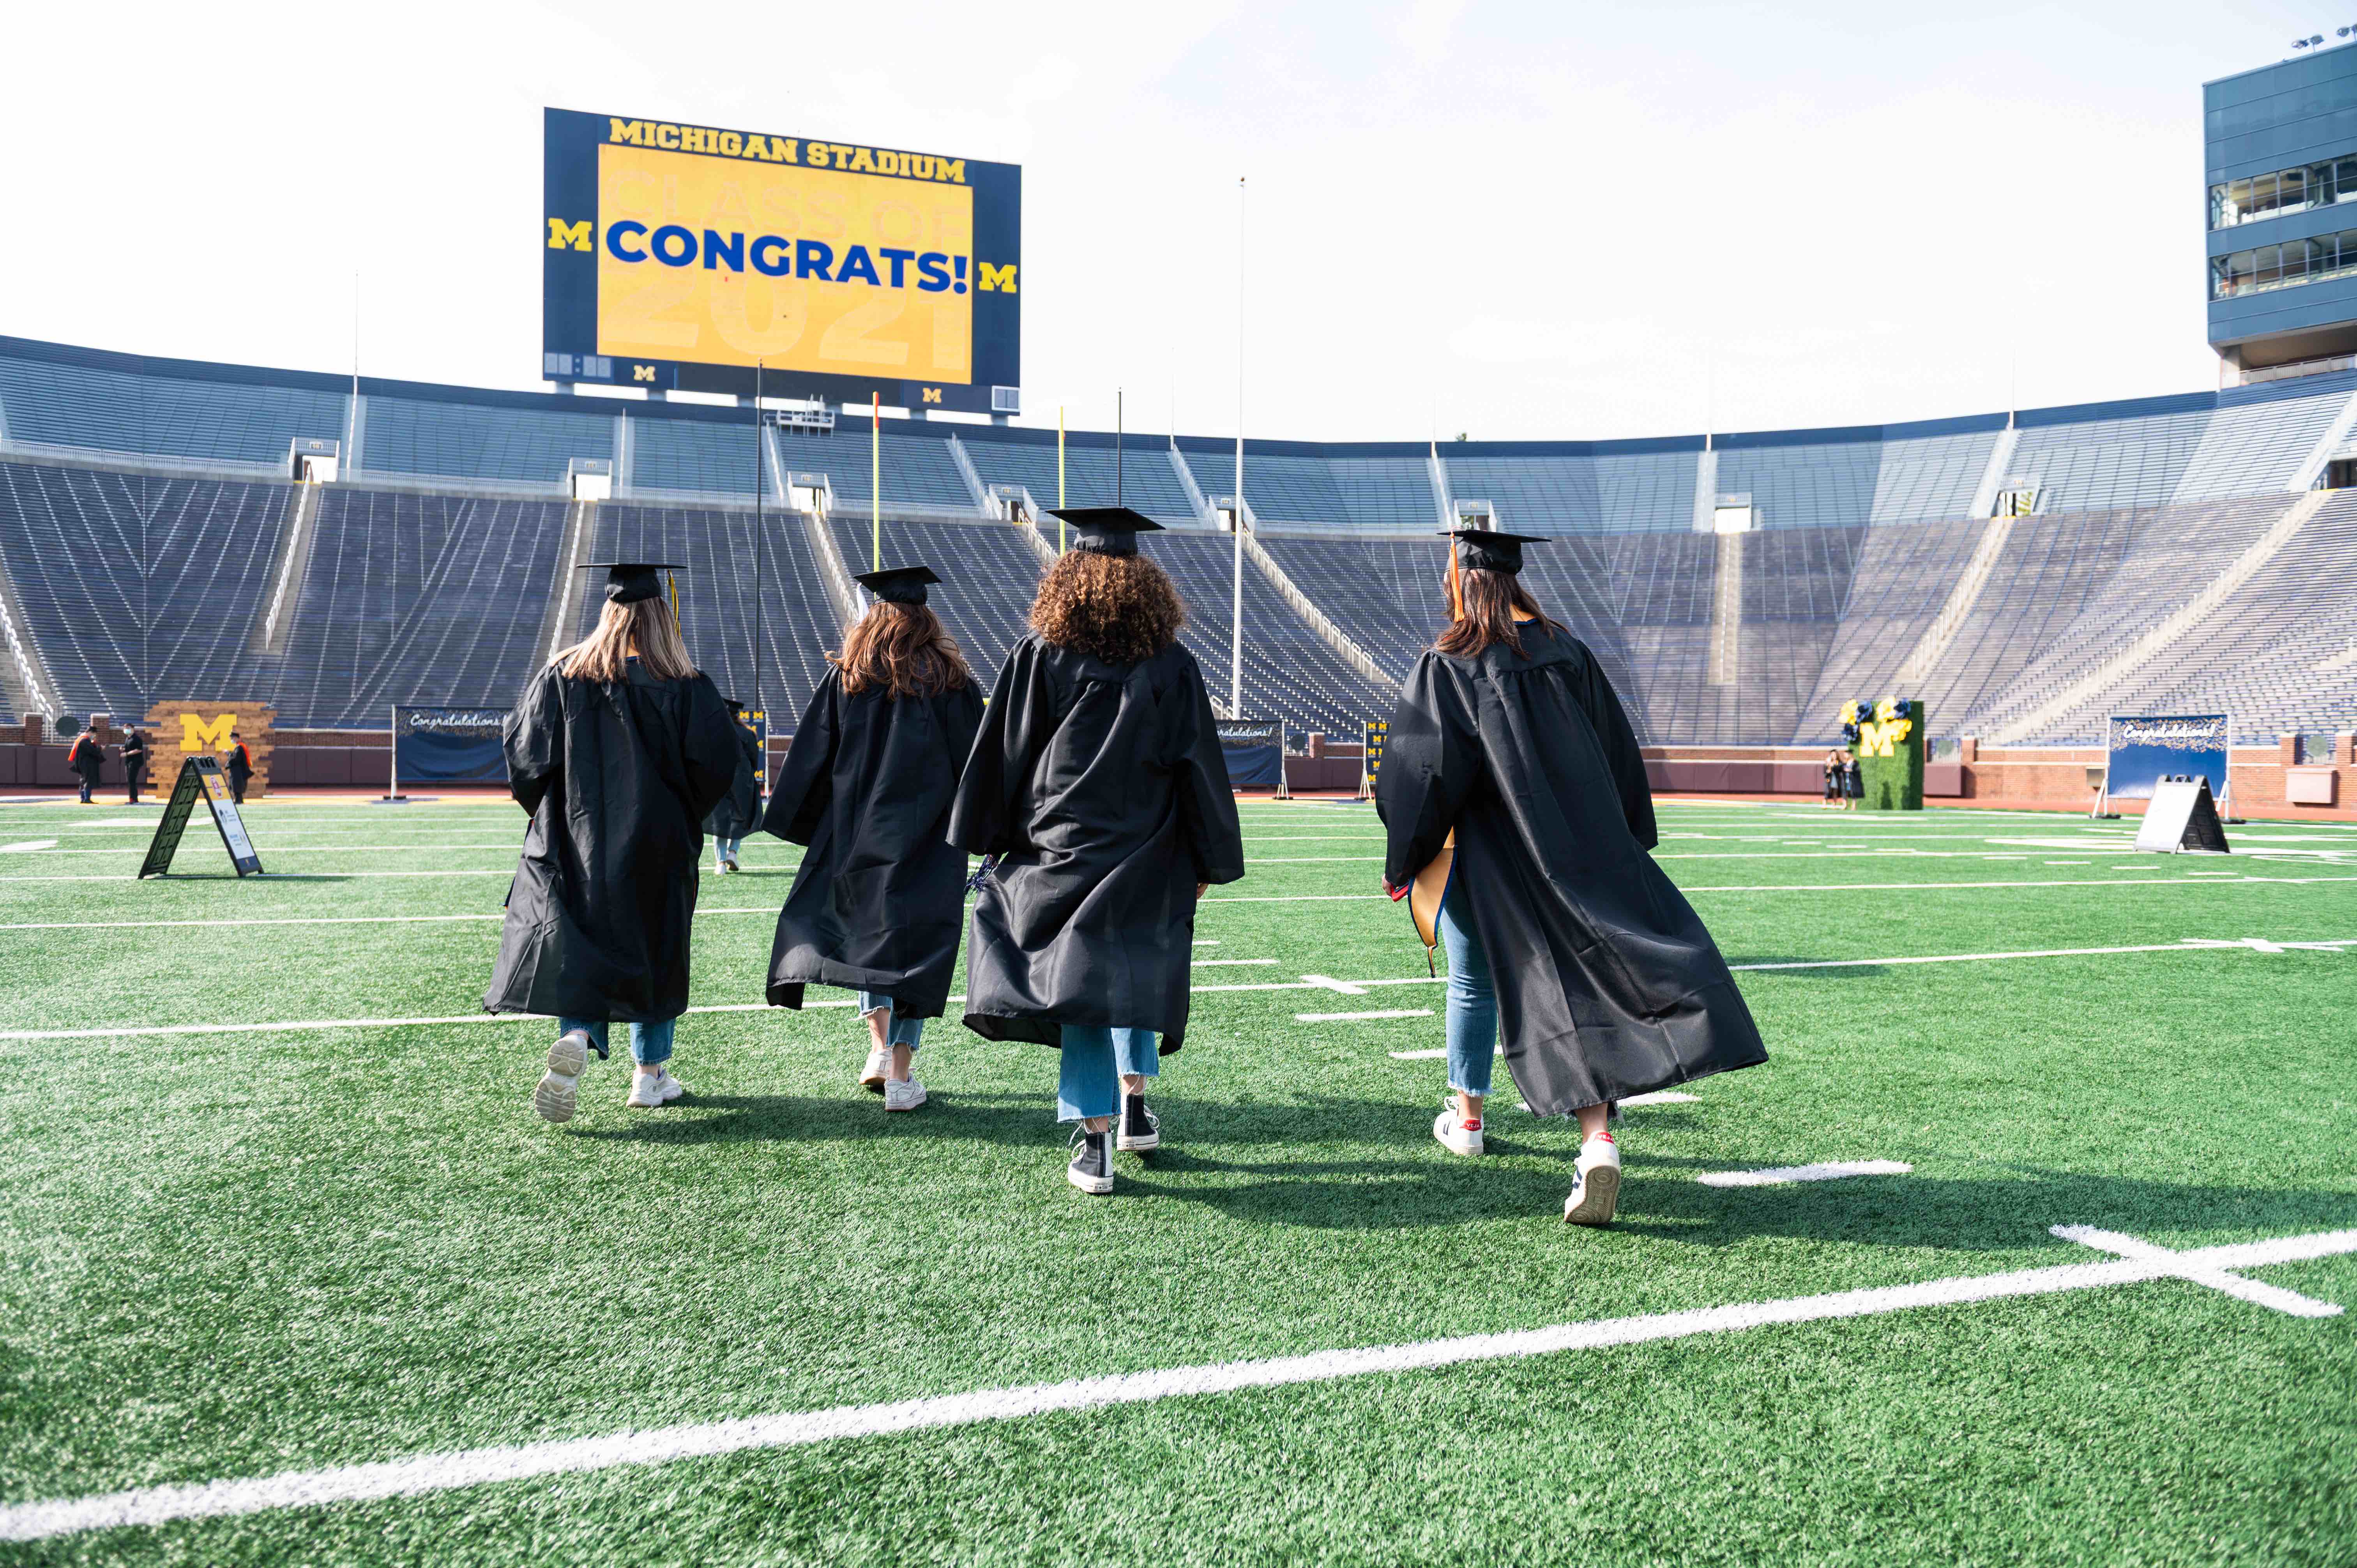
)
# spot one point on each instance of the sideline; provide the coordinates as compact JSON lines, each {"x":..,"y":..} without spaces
{"x":2261,"y":945}
{"x":2134,"y":1261}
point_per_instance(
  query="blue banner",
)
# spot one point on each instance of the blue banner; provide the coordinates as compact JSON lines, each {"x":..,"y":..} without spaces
{"x":1254,"y":752}
{"x":449,"y":746}
{"x":2142,"y":751}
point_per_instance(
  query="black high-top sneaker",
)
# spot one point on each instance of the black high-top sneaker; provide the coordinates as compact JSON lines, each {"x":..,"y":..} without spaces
{"x":1091,"y":1166}
{"x":1141,"y":1130}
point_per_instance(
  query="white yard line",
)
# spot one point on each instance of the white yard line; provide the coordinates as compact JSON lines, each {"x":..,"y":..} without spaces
{"x":1306,"y":982}
{"x":1355,"y":1017}
{"x":1780,"y":1175}
{"x":419,"y":1474}
{"x":26,"y":846}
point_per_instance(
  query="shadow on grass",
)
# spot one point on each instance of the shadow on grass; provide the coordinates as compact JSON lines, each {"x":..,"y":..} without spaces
{"x":1329,"y":1163}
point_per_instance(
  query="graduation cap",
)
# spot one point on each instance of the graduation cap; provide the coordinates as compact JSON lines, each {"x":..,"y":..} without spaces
{"x":1107,"y":529}
{"x":898,"y":584}
{"x":628,"y":582}
{"x":1486,"y":550}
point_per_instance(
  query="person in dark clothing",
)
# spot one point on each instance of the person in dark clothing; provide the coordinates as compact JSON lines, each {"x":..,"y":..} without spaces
{"x":1098,"y":787}
{"x":240,"y":767}
{"x":1853,"y":783}
{"x":1833,"y":779}
{"x":87,"y":759}
{"x":1510,"y":752}
{"x":134,"y":764}
{"x":739,"y":810}
{"x":618,"y":748}
{"x":868,"y":784}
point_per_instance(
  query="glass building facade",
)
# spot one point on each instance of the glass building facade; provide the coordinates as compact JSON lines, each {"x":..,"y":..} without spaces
{"x":2280,"y":163}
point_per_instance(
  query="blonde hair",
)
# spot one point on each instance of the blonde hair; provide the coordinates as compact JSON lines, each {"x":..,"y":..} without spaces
{"x":646,"y":627}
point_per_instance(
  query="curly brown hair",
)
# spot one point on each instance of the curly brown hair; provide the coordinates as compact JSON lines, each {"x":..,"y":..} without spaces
{"x":903,"y":649}
{"x":1121,"y":609}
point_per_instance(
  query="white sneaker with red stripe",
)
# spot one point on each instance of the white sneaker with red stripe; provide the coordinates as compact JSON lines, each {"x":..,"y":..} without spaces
{"x":1457,"y":1135}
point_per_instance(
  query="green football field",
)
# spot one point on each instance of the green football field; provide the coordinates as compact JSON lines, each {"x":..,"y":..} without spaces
{"x":292,"y":1273}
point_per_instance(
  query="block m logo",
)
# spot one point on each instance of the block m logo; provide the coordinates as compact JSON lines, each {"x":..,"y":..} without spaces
{"x":563,"y":236}
{"x":933,"y":395}
{"x":199,"y":737}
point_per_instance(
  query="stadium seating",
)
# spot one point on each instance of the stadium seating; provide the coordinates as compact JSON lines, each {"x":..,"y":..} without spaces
{"x":1290,"y":672}
{"x":414,"y":599}
{"x":135,"y":585}
{"x":143,"y":512}
{"x":714,"y":550}
{"x":989,"y":573}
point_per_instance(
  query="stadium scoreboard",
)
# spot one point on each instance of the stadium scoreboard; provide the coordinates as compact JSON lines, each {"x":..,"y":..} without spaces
{"x":677,"y":256}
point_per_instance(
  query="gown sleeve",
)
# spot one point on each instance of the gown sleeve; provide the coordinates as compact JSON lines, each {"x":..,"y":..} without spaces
{"x":1021,"y":715}
{"x":1207,"y":803}
{"x":1621,"y":753}
{"x":960,"y":713}
{"x":709,"y":747}
{"x":1431,"y":761}
{"x":805,"y":784}
{"x":533,"y":738}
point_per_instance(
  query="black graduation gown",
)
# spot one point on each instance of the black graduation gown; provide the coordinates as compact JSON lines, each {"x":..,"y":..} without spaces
{"x":241,"y":764}
{"x":1607,"y":985}
{"x":867,"y":785}
{"x":1103,"y":791}
{"x":617,"y":780}
{"x":86,"y":757}
{"x":739,"y":810}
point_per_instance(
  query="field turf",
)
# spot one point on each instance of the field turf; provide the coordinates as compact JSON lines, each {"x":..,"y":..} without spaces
{"x":233,"y":1254}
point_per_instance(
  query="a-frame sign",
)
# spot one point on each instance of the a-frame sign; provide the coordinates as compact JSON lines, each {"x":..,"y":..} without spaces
{"x":2182,"y":817}
{"x":201,"y":778}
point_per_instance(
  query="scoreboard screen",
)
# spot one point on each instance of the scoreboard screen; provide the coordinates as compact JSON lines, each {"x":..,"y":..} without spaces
{"x":681,"y":256}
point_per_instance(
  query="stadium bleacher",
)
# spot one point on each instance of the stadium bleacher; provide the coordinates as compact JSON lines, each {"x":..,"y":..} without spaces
{"x":144,"y":508}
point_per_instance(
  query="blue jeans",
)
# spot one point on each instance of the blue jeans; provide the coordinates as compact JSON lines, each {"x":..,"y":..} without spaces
{"x":1088,"y":1083}
{"x":724,"y":849}
{"x":1472,"y":1000}
{"x":650,"y":1043}
{"x":908,"y":1032}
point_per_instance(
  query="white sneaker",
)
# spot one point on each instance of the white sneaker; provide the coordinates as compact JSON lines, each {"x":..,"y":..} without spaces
{"x":903,"y":1094}
{"x":560,"y":1088}
{"x":879,"y":1064}
{"x":651,"y":1089}
{"x":1456,"y":1135}
{"x":1596,"y":1185}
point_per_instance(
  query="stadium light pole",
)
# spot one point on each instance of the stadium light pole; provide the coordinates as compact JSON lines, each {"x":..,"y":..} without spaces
{"x":760,"y":573}
{"x":1236,"y":609}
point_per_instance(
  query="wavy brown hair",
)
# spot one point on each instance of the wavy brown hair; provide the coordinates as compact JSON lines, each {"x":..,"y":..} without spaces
{"x":1121,"y":609}
{"x":904,"y":649}
{"x":1485,"y":614}
{"x":645,"y":627}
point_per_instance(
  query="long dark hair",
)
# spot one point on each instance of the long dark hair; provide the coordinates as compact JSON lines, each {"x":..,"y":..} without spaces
{"x":904,"y":649}
{"x":1122,"y":610}
{"x":1485,"y":605}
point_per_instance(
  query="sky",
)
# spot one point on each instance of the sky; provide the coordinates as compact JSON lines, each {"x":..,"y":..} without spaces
{"x":1509,"y":221}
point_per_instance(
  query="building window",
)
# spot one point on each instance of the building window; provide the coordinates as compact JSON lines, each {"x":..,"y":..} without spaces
{"x":2265,"y":267}
{"x":2283,"y":192}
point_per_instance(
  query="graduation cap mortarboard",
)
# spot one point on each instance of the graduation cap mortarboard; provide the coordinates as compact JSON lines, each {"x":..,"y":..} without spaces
{"x":898,"y":584}
{"x":1107,"y":529}
{"x":628,"y":582}
{"x":1485,"y":549}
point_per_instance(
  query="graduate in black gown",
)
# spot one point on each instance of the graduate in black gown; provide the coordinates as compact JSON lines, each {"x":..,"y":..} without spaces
{"x":618,"y":748}
{"x":740,"y":811}
{"x":1510,"y":749}
{"x":868,"y":784}
{"x":1098,"y":787}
